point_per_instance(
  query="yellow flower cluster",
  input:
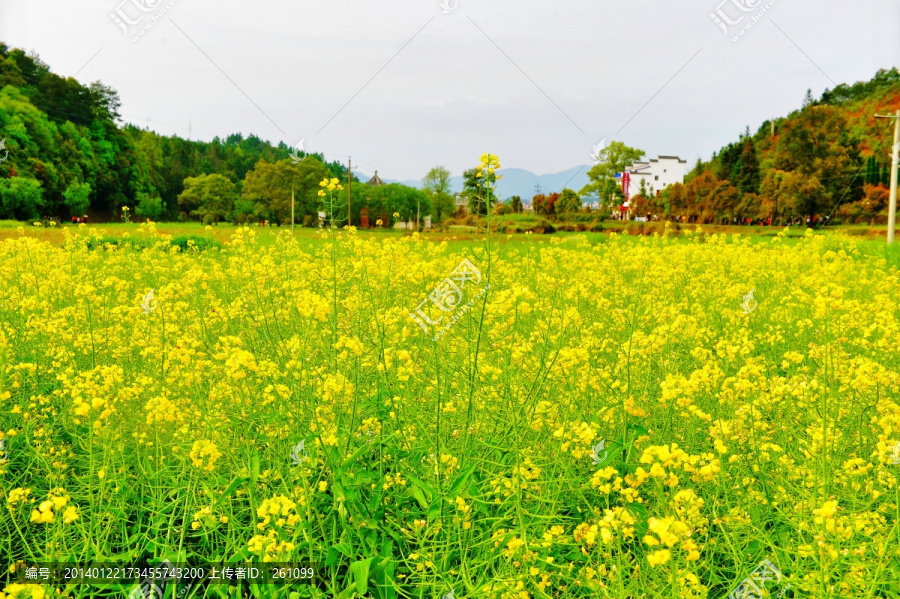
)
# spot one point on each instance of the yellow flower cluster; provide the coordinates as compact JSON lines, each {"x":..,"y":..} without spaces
{"x":205,"y":517}
{"x":581,"y":435}
{"x":271,"y":547}
{"x":330,"y":185}
{"x":464,"y":513}
{"x":15,"y":497}
{"x":56,"y":500}
{"x":24,"y":591}
{"x":488,"y":163}
{"x":279,"y":507}
{"x":204,"y":454}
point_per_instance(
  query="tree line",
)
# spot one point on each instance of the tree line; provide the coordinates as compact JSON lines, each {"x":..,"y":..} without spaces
{"x":830,"y":158}
{"x":66,"y":155}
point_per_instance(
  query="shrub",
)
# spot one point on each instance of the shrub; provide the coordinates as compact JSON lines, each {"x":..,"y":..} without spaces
{"x":543,"y":226}
{"x":77,"y":198}
{"x":148,"y":207}
{"x":137,"y":243}
{"x":195,"y":242}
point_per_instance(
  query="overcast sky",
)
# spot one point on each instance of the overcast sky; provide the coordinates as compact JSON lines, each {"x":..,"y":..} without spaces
{"x":404,"y":85}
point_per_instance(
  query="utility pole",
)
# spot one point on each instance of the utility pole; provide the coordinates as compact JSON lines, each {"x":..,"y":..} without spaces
{"x":349,"y":182}
{"x":895,"y":159}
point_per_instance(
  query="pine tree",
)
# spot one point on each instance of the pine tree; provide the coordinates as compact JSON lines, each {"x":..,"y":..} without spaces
{"x":873,"y":175}
{"x":747,"y":179}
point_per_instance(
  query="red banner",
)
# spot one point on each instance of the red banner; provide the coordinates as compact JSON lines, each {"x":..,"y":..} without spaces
{"x":626,"y":183}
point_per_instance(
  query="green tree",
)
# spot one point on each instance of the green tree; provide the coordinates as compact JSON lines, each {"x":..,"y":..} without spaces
{"x":795,"y":194}
{"x":610,"y":194}
{"x":404,"y":200}
{"x":872,"y":176}
{"x":515,"y":203}
{"x":746,"y":178}
{"x":437,"y":188}
{"x":819,"y":143}
{"x":243,"y":210}
{"x":808,"y":99}
{"x":613,"y":159}
{"x":77,"y":198}
{"x":149,"y":206}
{"x":209,"y":196}
{"x":269,"y":187}
{"x":568,"y":201}
{"x":20,"y":199}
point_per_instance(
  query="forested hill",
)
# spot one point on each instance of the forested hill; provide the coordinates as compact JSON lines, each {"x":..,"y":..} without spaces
{"x":829,"y":158}
{"x":66,"y":154}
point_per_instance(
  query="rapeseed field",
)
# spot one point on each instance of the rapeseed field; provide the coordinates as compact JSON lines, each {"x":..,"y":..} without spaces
{"x":504,"y":420}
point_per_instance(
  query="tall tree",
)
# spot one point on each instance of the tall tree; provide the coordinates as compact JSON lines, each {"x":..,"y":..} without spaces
{"x":747,"y":176}
{"x":269,"y":187}
{"x":210,"y":197}
{"x":612,"y":159}
{"x":568,"y":202}
{"x":437,"y":188}
{"x":795,"y":194}
{"x":78,"y":197}
{"x":20,"y":199}
{"x":539,"y":204}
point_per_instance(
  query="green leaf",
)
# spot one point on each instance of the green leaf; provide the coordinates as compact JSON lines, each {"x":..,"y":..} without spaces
{"x":418,"y":495}
{"x":461,"y":480}
{"x":254,"y":465}
{"x":229,"y":491}
{"x":337,"y":491}
{"x":434,"y":510}
{"x":423,"y":488}
{"x":242,"y":555}
{"x":639,"y":430}
{"x":615,"y":448}
{"x":375,"y":501}
{"x":344,"y":548}
{"x":359,"y":451}
{"x":386,"y":581}
{"x":360,"y":573}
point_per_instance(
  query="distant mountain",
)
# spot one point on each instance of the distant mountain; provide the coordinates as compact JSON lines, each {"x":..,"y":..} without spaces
{"x":517,"y":181}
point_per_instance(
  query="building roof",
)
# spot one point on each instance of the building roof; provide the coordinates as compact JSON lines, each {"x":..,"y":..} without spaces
{"x":375,"y":180}
{"x":643,"y":164}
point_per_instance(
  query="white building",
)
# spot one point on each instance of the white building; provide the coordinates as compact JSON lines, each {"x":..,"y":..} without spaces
{"x":657,"y":174}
